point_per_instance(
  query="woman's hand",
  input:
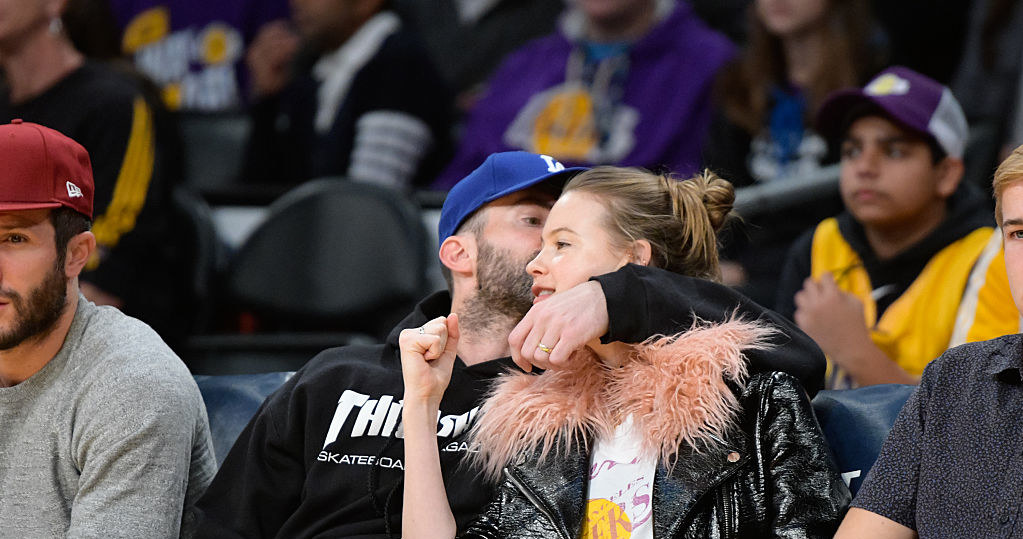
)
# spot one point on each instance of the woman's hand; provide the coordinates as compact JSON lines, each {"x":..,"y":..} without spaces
{"x":427,"y":357}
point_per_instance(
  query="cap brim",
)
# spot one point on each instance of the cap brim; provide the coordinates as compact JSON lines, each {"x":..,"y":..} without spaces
{"x":562,"y":176}
{"x":18,"y":206}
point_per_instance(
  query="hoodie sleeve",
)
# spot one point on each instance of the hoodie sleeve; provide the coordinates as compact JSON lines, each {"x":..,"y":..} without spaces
{"x":260,"y":482}
{"x":644,"y":301}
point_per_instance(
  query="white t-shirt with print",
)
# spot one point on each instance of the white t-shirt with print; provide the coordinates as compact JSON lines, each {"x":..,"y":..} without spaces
{"x":621,"y":484}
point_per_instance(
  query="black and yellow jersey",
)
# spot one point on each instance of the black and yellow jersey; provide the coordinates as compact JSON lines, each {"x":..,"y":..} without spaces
{"x":949,"y":289}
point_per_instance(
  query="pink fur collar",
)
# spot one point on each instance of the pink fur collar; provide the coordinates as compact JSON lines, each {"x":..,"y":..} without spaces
{"x":675,"y":388}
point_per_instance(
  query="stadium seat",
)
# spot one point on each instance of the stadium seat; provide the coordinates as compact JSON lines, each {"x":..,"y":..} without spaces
{"x":214,"y":147}
{"x":856,"y":422}
{"x":335,"y":262}
{"x":232,"y":400}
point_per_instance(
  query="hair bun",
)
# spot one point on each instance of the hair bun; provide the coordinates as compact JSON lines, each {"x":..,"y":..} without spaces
{"x":715,"y":193}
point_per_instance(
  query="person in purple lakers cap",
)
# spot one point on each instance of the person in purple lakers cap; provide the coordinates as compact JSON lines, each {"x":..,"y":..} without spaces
{"x":104,"y":432}
{"x":914,"y":264}
{"x":952,"y":465}
{"x":325,"y":455}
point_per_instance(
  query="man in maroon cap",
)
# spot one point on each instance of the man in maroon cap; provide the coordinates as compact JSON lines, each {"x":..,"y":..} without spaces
{"x":104,"y":430}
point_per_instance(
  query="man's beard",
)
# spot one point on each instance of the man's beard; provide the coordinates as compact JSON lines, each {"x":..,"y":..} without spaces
{"x":39,"y":314}
{"x":503,"y":291}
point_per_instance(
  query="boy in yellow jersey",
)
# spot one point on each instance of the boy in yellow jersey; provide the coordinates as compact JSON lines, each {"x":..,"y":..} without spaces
{"x":914,"y":266}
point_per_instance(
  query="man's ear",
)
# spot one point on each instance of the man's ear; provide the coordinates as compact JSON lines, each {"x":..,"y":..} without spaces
{"x":79,"y":248}
{"x":458,"y":254}
{"x":950,"y":173}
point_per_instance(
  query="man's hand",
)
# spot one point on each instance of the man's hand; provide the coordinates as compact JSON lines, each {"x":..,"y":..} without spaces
{"x":427,"y":357}
{"x":269,"y":58}
{"x":831,"y":316}
{"x":834,"y":318}
{"x":564,"y":323}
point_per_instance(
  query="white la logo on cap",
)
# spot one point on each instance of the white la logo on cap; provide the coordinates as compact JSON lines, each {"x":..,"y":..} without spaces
{"x":887,"y":84}
{"x":73,"y":191}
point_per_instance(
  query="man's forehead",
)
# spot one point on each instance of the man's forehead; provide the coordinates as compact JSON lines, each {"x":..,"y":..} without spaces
{"x":536,"y":196}
{"x":9,"y":218}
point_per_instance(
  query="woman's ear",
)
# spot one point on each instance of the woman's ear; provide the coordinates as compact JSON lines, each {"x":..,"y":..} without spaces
{"x":641,"y":252}
{"x":79,"y":249}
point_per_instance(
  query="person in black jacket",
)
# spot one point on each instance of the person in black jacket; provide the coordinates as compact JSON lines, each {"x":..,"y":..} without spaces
{"x":662,"y":439}
{"x":346,"y":89}
{"x":324,"y":455}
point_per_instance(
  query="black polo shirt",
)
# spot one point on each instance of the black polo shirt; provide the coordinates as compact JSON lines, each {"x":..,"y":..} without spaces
{"x":952,"y":465}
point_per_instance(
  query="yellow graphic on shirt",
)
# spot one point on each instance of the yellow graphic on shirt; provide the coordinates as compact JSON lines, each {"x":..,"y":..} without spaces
{"x":606,"y":520}
{"x":146,"y":28}
{"x":219,"y":43}
{"x":565,"y":127}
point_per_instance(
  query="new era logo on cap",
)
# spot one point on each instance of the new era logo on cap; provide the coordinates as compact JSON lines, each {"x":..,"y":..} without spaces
{"x":73,"y":191}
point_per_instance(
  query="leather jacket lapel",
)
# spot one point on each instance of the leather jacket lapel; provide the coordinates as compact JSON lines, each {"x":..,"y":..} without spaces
{"x":559,"y":485}
{"x":677,"y":493}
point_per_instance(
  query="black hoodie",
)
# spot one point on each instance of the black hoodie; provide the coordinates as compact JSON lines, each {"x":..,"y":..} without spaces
{"x":323,"y":456}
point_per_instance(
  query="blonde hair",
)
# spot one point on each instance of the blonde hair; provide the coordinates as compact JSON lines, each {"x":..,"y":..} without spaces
{"x":1008,"y":173}
{"x":680,"y":218}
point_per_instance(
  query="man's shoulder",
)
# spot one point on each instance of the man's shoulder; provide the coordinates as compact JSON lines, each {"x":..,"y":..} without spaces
{"x":105,"y":84}
{"x":973,"y":360}
{"x":348,"y":366}
{"x":112,"y":348}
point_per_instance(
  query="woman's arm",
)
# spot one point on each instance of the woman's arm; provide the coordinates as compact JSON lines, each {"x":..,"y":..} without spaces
{"x":863,"y":523}
{"x":427,"y":357}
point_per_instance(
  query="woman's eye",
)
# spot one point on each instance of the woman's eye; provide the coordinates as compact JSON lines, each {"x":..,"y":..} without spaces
{"x":561,"y":244}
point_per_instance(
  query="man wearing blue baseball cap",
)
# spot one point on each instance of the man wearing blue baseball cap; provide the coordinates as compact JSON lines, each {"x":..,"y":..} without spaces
{"x":324,"y":455}
{"x":914,"y":266}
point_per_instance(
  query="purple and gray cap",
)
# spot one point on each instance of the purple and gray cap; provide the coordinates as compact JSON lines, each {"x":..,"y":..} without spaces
{"x":911,"y":99}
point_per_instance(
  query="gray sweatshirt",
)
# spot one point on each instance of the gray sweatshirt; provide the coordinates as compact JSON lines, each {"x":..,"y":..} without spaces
{"x":109,"y":439}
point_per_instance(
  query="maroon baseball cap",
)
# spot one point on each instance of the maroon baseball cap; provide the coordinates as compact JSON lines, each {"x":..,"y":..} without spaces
{"x":43,"y":169}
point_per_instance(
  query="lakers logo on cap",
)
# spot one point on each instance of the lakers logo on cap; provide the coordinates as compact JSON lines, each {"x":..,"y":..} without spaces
{"x":887,"y":84}
{"x":73,"y":191}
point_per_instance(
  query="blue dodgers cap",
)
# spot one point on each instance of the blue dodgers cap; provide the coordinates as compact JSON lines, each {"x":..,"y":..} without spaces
{"x":501,"y":174}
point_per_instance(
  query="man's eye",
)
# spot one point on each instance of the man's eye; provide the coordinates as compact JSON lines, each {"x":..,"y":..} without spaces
{"x":533,"y":221}
{"x":16,"y":238}
{"x":849,"y":152}
{"x":896,"y":152}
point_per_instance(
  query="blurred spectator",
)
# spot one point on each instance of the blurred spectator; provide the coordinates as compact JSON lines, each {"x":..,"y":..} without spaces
{"x":915,"y":265}
{"x":988,"y":84}
{"x":924,"y":35}
{"x":468,"y":39}
{"x":798,"y":52}
{"x":193,"y":49}
{"x":134,"y":159}
{"x":353,"y":94}
{"x":624,"y":82}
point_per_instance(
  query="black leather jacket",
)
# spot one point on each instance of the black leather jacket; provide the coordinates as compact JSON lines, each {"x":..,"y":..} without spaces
{"x":782,"y":482}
